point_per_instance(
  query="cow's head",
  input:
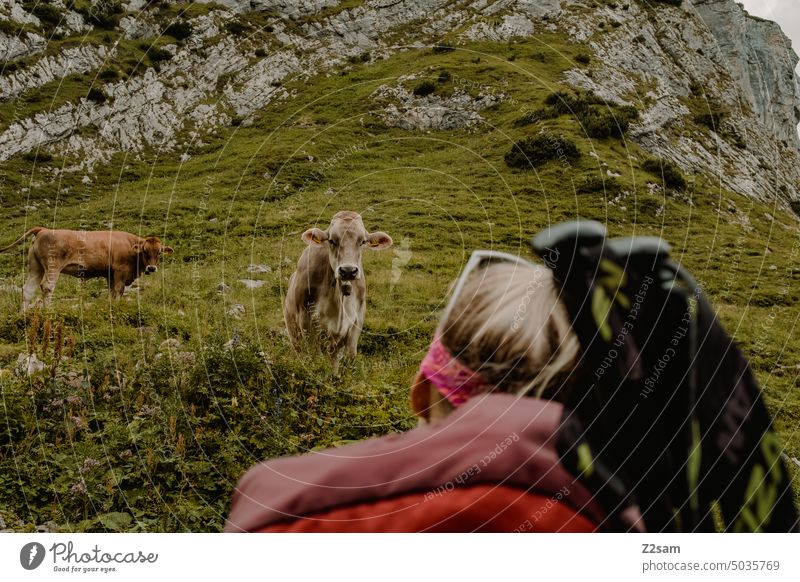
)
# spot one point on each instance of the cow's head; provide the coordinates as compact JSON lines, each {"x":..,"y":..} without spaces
{"x":345,"y":238}
{"x":148,"y":251}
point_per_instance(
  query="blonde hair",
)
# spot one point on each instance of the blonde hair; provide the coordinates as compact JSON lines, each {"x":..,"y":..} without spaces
{"x":508,"y":325}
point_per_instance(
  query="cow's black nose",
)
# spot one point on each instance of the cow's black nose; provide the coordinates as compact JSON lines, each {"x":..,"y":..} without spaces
{"x":150,"y":269}
{"x":348,"y":272}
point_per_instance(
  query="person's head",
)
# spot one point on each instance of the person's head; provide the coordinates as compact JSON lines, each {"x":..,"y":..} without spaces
{"x":504,"y":330}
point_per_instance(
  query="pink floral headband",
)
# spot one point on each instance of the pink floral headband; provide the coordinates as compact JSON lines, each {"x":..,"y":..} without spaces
{"x":455,"y":381}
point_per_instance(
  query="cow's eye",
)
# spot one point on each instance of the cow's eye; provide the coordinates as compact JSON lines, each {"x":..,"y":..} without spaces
{"x":362,"y":243}
{"x":334,"y":243}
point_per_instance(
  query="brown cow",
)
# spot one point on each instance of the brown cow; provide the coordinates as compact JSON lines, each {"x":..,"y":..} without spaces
{"x":119,"y":257}
{"x":327,"y":293}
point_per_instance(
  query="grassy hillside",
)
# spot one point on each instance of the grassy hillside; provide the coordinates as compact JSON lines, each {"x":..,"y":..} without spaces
{"x":122,"y":432}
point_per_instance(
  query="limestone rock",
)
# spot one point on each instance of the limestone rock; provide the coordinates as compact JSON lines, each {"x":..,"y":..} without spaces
{"x":29,"y":364}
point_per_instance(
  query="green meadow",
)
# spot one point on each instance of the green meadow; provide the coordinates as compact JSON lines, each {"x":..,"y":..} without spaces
{"x":123,"y":432}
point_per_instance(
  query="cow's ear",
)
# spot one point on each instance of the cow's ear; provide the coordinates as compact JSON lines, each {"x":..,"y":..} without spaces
{"x":378,"y":241}
{"x":315,"y":236}
{"x":167,"y":250}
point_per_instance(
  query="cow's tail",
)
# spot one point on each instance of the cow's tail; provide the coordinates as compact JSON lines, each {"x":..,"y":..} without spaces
{"x":35,"y":230}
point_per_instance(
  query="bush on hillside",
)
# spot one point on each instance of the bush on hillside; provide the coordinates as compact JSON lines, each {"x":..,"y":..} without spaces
{"x":179,"y":30}
{"x":668,"y":171}
{"x":598,"y":118}
{"x":47,"y":13}
{"x":103,"y":13}
{"x":96,"y":95}
{"x":539,"y":149}
{"x":425,"y":88}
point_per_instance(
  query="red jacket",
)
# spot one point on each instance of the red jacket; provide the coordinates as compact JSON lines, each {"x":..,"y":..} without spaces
{"x":491,"y":465}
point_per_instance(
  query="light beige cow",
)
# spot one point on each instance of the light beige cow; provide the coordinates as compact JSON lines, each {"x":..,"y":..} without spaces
{"x":326,"y":298}
{"x":119,"y":257}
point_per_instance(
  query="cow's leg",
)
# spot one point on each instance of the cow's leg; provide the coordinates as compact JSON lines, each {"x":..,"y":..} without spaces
{"x":293,"y":328}
{"x":336,"y":359}
{"x":48,"y":285}
{"x":351,"y":346}
{"x":116,"y":284}
{"x":35,"y":274}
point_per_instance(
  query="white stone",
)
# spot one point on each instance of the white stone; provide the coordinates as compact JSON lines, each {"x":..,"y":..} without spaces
{"x":259,"y":268}
{"x":29,"y":364}
{"x":252,"y":283}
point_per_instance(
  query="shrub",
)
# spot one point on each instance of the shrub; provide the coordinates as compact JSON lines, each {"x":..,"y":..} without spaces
{"x":669,"y":172}
{"x":96,"y":95}
{"x":235,"y":27}
{"x":599,"y":122}
{"x":712,"y":119}
{"x":179,"y":30}
{"x":39,"y":156}
{"x":670,"y":2}
{"x":261,"y":52}
{"x":600,"y":185}
{"x":44,"y":11}
{"x":583,"y":58}
{"x":103,"y":13}
{"x":572,"y":103}
{"x":533,"y":116}
{"x":539,"y":149}
{"x":157,"y":54}
{"x":109,"y":74}
{"x":444,"y":77}
{"x":597,"y":118}
{"x":424,"y":88}
{"x":443,"y":48}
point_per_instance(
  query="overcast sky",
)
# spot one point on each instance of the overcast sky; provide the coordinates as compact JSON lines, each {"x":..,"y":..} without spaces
{"x":784,"y":12}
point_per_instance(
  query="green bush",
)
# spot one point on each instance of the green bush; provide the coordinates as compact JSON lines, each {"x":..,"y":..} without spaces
{"x":236,"y":27}
{"x":712,"y":119}
{"x":444,"y":77}
{"x":108,"y":74}
{"x":539,"y":149}
{"x":442,"y":48}
{"x":600,"y":185}
{"x":583,"y":58}
{"x":537,"y":115}
{"x":425,"y":88}
{"x":49,"y":15}
{"x":668,"y":171}
{"x":179,"y":30}
{"x":607,"y":122}
{"x":156,"y":54}
{"x":103,"y":13}
{"x":597,"y":118}
{"x":96,"y":95}
{"x":40,"y":156}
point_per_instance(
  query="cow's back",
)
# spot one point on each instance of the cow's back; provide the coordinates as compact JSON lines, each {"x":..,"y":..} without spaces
{"x":89,"y":250}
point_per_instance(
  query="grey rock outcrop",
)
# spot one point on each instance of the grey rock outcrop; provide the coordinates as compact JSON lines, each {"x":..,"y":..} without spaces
{"x":716,"y":54}
{"x":431,"y":112}
{"x":20,"y":46}
{"x":760,"y":60}
{"x":73,"y":60}
{"x":652,"y":55}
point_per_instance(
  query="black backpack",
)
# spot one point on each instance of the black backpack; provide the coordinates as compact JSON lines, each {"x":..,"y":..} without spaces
{"x":668,"y":415}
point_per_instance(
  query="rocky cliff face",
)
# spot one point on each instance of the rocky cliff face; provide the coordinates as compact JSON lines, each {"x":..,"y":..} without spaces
{"x":715,"y":87}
